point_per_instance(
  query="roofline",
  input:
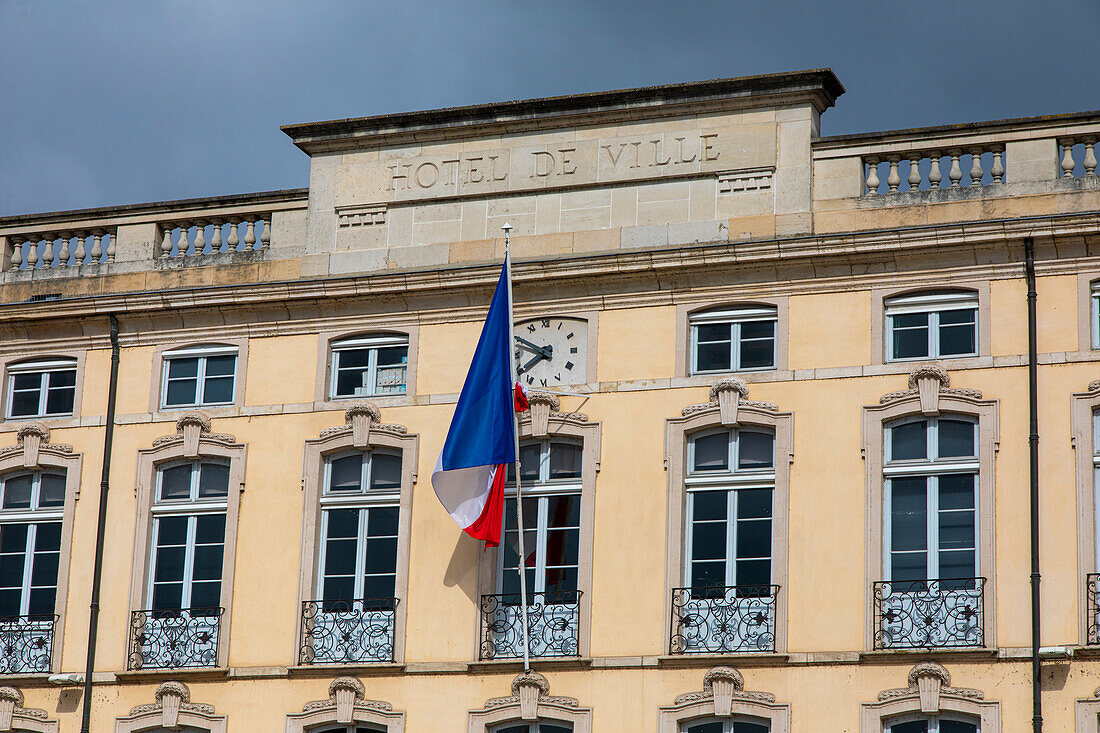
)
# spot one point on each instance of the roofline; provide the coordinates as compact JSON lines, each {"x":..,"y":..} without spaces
{"x":817,"y":86}
{"x":966,"y":127}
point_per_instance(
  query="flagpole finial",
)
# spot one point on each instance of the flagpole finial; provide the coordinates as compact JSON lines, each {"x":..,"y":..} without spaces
{"x":506,"y":227}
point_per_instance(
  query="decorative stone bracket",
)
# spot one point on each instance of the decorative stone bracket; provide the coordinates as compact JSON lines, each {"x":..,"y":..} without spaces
{"x":190,"y":428}
{"x":747,"y":179}
{"x":544,"y":406}
{"x":361,"y":215}
{"x":529,"y":690}
{"x":30,"y":439}
{"x":729,"y":395}
{"x":929,"y":382}
{"x":11,"y":706}
{"x":930,"y":681}
{"x":724,"y":685}
{"x":172,"y":697}
{"x":360,"y":419}
{"x":345,"y":694}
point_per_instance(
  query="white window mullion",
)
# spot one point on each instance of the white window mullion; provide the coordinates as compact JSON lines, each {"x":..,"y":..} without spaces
{"x":731,"y":538}
{"x":689,"y":549}
{"x":540,"y":544}
{"x":888,"y":530}
{"x":322,"y":555}
{"x":200,"y":385}
{"x":932,"y":492}
{"x":360,"y":553}
{"x":735,"y":350}
{"x":188,"y":562}
{"x":372,"y":371}
{"x":42,"y":382}
{"x":933,"y":335}
{"x":28,"y":560}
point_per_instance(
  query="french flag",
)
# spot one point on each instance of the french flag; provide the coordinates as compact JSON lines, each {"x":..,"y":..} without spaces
{"x":469,"y":475}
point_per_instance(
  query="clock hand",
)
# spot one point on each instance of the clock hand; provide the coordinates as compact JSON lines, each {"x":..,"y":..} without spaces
{"x":535,"y":359}
{"x":546,"y":351}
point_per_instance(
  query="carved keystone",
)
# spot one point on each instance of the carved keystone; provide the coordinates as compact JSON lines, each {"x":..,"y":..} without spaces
{"x":728,"y":393}
{"x":32,"y":437}
{"x":192,"y":425}
{"x":542,"y":404}
{"x":928,"y":380}
{"x":723,"y":683}
{"x":171,"y":695}
{"x":529,"y":687}
{"x":10,"y":699}
{"x":360,"y":416}
{"x":344,"y":693}
{"x":929,"y":679}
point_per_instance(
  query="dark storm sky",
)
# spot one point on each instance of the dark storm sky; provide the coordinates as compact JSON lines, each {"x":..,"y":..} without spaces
{"x":121,"y":102}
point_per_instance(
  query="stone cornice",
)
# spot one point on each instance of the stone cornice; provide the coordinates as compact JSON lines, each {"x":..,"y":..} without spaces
{"x":625,"y":264}
{"x":819,"y":87}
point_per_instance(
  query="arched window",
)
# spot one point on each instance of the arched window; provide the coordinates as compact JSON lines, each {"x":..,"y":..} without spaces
{"x":932,"y":325}
{"x":535,"y":726}
{"x":530,"y":709}
{"x":932,"y":724}
{"x":741,"y":725}
{"x":929,"y":704}
{"x":172,"y":711}
{"x":349,"y":729}
{"x":41,"y":388}
{"x":733,"y":339}
{"x":372,"y":365}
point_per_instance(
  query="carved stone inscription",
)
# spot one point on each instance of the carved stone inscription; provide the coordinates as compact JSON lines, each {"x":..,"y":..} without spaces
{"x":567,"y":163}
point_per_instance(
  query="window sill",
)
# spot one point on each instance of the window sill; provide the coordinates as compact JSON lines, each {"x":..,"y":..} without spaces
{"x":746,"y":659}
{"x":330,"y":670}
{"x":547,"y":663}
{"x":169,"y":674}
{"x":937,"y":652}
{"x":34,"y":679}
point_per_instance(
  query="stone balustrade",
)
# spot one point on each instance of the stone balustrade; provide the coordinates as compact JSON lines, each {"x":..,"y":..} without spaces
{"x":198,"y":237}
{"x":1078,"y":156}
{"x":72,"y":249}
{"x":981,"y":164}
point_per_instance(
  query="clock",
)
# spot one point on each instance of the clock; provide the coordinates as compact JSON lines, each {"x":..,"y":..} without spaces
{"x":552,"y":351}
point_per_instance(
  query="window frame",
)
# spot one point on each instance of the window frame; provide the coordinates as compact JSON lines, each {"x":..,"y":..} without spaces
{"x":677,"y":460}
{"x":317,"y":456}
{"x":324,"y":398}
{"x":32,"y":516}
{"x":889,"y":723}
{"x":735,"y":317}
{"x":695,"y":708}
{"x":933,"y":304}
{"x":985,"y":412}
{"x":56,"y":458}
{"x":1085,"y":439}
{"x":688,"y":313}
{"x":881,"y":335}
{"x":202,"y":353}
{"x":903,"y":703}
{"x":44,"y":366}
{"x":372,"y":344}
{"x":159,"y":371}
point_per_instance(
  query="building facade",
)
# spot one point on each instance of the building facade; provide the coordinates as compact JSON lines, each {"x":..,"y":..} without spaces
{"x":787,"y":490}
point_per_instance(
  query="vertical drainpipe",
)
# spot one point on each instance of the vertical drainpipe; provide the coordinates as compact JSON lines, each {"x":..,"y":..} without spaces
{"x":101,"y":527}
{"x":1033,"y":446}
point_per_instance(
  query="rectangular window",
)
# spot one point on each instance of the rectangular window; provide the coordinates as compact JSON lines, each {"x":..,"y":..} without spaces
{"x":30,"y":543}
{"x":932,"y":325}
{"x":203,"y":375}
{"x":41,"y":389}
{"x":733,"y":339}
{"x":369,"y":366}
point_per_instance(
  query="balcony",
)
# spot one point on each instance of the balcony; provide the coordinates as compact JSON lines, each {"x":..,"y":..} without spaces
{"x":553,"y":623}
{"x":723,"y":619}
{"x":929,"y":614}
{"x":26,"y":644}
{"x":1092,"y":620}
{"x":171,"y":639}
{"x":347,"y":632}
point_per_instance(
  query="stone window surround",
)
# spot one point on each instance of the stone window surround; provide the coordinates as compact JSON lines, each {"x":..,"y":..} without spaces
{"x":363,"y":431}
{"x":724,"y":696}
{"x":34,"y":452}
{"x":192,"y":441}
{"x":879,"y":344}
{"x":61,"y":421}
{"x":171,"y":413}
{"x":704,"y":416}
{"x":938,"y":399}
{"x":15,"y":717}
{"x":929,"y":692}
{"x":1083,"y":405}
{"x":684,"y":311}
{"x":347,"y":705}
{"x":172,"y":709}
{"x":1087,"y":714}
{"x":1087,"y":334}
{"x":543,"y":420}
{"x":530,"y":701}
{"x":525,"y":314}
{"x":323,"y":401}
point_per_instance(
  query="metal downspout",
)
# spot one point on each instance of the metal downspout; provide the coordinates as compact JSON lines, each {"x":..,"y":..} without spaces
{"x":1033,"y":447}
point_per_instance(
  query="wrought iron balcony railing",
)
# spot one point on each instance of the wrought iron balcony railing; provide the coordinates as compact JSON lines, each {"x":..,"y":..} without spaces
{"x":553,"y":623}
{"x":1092,"y":621}
{"x":26,"y":644}
{"x":174,"y":639}
{"x":723,"y":619}
{"x":926,"y":614}
{"x":347,"y":632}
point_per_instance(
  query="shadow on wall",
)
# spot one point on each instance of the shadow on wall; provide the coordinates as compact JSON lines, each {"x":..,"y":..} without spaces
{"x":462,"y":569}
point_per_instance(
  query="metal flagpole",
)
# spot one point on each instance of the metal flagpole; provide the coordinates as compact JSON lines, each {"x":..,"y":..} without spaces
{"x":522,"y":569}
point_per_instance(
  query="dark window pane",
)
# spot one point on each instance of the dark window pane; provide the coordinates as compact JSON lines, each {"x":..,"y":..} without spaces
{"x":710,"y":332}
{"x":957,"y":726}
{"x":213,"y":480}
{"x":957,"y":317}
{"x":565,"y":460}
{"x":210,"y":529}
{"x":52,"y":492}
{"x":338,"y":589}
{"x":563,"y":511}
{"x":709,"y":505}
{"x":914,"y":726}
{"x":560,"y":580}
{"x":957,"y":491}
{"x":754,"y":450}
{"x":343,"y":522}
{"x":340,"y":557}
{"x":171,"y":531}
{"x":757,"y":354}
{"x":393,"y":355}
{"x":13,"y":538}
{"x":754,"y":503}
{"x":379,"y":586}
{"x":956,"y":438}
{"x":515,"y":729}
{"x":206,"y":594}
{"x":714,"y":727}
{"x":183,"y":367}
{"x":346,"y":474}
{"x":348,"y":381}
{"x":758,"y":330}
{"x":382,"y":521}
{"x":712,"y":452}
{"x":754,"y":572}
{"x":909,"y":343}
{"x":381,"y":555}
{"x":42,"y":601}
{"x":208,"y":562}
{"x":9,"y":602}
{"x":24,"y":404}
{"x":63,"y":378}
{"x":48,"y":537}
{"x":30,"y":380}
{"x":44,"y":569}
{"x":219,"y":366}
{"x":167,"y":597}
{"x":957,"y":340}
{"x":713,"y":357}
{"x":60,"y":401}
{"x":17,"y":492}
{"x":547,"y":728}
{"x":906,"y":566}
{"x":530,"y":514}
{"x":181,"y":392}
{"x":175,"y":482}
{"x":957,"y":564}
{"x":11,"y":571}
{"x":169,"y":565}
{"x":708,"y":541}
{"x":385,"y":471}
{"x":957,"y":530}
{"x":218,"y":390}
{"x":708,"y":574}
{"x":908,"y":514}
{"x":754,"y":539}
{"x":909,"y":441}
{"x":561,"y":546}
{"x":743,"y":727}
{"x":348,"y":358}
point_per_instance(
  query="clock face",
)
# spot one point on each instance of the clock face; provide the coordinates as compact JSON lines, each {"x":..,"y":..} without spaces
{"x":551,"y":351}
